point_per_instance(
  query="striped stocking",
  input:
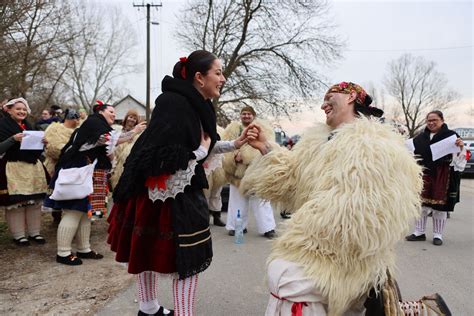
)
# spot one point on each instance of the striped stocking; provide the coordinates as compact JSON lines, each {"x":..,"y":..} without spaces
{"x":439,"y":221}
{"x":184,"y":293}
{"x":146,"y":286}
{"x":420,"y":224}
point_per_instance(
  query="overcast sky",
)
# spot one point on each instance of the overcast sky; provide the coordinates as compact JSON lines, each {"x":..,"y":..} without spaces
{"x":376,"y":32}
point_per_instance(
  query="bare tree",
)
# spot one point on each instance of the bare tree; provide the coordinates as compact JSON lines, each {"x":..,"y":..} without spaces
{"x":417,"y":88}
{"x":270,"y":49}
{"x":100,"y":53}
{"x":32,"y":52}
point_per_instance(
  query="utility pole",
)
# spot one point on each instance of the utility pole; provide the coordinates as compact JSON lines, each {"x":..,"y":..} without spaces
{"x":148,"y":6}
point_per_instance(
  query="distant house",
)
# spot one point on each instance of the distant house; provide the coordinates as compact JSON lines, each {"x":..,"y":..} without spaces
{"x":128,"y":103}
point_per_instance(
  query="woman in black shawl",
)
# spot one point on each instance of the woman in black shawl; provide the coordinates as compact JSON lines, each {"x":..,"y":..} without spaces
{"x":160,"y":219}
{"x":92,"y":140}
{"x":22,"y":176}
{"x":440,"y":177}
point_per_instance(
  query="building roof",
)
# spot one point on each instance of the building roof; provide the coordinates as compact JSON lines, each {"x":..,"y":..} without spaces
{"x":129,"y":96}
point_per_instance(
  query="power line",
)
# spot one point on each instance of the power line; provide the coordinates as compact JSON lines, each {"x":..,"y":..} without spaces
{"x":408,"y":49}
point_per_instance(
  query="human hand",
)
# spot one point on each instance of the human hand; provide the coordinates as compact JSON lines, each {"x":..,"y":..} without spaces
{"x":18,"y":137}
{"x":205,"y":140}
{"x":239,"y":142}
{"x":257,"y":140}
{"x":140,"y":127}
{"x":44,"y":141}
{"x":459,"y":143}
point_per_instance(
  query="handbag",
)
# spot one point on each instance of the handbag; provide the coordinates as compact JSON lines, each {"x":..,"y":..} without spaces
{"x":74,"y":183}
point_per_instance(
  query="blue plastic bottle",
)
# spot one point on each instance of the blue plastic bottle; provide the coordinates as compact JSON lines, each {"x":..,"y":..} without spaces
{"x":239,"y":229}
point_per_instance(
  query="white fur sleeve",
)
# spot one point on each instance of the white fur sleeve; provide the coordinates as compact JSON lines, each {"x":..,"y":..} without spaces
{"x":271,"y":177}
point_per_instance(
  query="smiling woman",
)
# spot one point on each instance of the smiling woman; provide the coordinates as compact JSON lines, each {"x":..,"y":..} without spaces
{"x":22,"y":176}
{"x":160,"y":219}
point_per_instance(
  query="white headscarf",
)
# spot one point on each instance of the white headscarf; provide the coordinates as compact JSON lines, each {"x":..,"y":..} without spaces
{"x":20,"y":100}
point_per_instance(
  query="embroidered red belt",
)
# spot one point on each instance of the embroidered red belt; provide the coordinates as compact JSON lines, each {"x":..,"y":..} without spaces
{"x":296,"y":308}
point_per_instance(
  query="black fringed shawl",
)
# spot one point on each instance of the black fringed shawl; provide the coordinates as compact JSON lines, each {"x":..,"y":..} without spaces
{"x":88,"y":133}
{"x":8,"y":128}
{"x":422,"y":144}
{"x":172,"y":134}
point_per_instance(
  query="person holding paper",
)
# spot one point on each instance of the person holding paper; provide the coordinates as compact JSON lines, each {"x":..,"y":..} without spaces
{"x":440,"y":181}
{"x":22,"y":176}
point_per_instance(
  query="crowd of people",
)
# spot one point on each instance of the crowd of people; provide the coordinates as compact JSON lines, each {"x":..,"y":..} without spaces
{"x":348,"y":208}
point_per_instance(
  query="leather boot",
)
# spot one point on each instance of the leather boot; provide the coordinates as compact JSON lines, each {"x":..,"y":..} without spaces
{"x":217,"y":218}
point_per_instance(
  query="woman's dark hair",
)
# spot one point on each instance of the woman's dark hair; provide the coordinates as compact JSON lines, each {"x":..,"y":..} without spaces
{"x":366,"y":109}
{"x":71,"y":114}
{"x":439,"y":113}
{"x":197,"y":61}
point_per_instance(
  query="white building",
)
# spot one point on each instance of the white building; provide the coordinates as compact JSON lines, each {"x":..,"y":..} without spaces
{"x":128,"y":103}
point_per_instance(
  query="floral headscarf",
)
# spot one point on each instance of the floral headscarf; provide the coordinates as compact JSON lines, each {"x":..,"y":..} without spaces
{"x":348,"y":87}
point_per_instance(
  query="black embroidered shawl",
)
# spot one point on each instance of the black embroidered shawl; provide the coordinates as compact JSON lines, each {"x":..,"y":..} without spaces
{"x":8,"y":128}
{"x":88,"y":133}
{"x":422,"y":144}
{"x":173,"y":132}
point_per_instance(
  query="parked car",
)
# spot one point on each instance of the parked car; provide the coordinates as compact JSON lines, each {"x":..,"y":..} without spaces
{"x":469,"y":170}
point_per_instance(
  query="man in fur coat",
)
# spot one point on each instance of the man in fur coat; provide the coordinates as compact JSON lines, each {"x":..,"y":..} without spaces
{"x":235,"y":165}
{"x":354,"y":189}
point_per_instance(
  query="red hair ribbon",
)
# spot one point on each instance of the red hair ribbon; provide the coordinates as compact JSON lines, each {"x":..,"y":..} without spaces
{"x":183,"y":60}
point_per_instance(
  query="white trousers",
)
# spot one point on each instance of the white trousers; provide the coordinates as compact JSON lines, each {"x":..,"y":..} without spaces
{"x":262,"y":211}
{"x":214,"y":199}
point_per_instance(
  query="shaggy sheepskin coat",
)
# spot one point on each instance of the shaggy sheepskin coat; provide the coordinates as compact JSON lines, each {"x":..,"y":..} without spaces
{"x":235,"y":171}
{"x":354,"y":192}
{"x":57,"y":135}
{"x":217,"y":178}
{"x":121,"y":153}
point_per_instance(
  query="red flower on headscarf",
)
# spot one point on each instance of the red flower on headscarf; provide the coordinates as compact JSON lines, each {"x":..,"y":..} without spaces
{"x":343,"y":85}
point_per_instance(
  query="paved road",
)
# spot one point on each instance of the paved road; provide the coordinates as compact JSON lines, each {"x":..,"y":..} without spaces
{"x":235,"y":283}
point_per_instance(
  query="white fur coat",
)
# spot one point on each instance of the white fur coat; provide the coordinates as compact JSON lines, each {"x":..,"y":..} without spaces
{"x":353,"y":199}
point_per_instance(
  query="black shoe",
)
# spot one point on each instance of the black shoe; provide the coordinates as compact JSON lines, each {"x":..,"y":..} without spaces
{"x":414,"y":237}
{"x":38,"y":239}
{"x":216,"y":218}
{"x":245,"y":231}
{"x":70,"y":260}
{"x":285,"y":215}
{"x":22,"y":241}
{"x":270,"y":234}
{"x":89,"y":255}
{"x":160,"y":312}
{"x":437,"y":241}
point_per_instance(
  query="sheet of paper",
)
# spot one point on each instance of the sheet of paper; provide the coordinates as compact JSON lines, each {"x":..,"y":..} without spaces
{"x":444,"y":147}
{"x":410,"y":145}
{"x":32,"y":140}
